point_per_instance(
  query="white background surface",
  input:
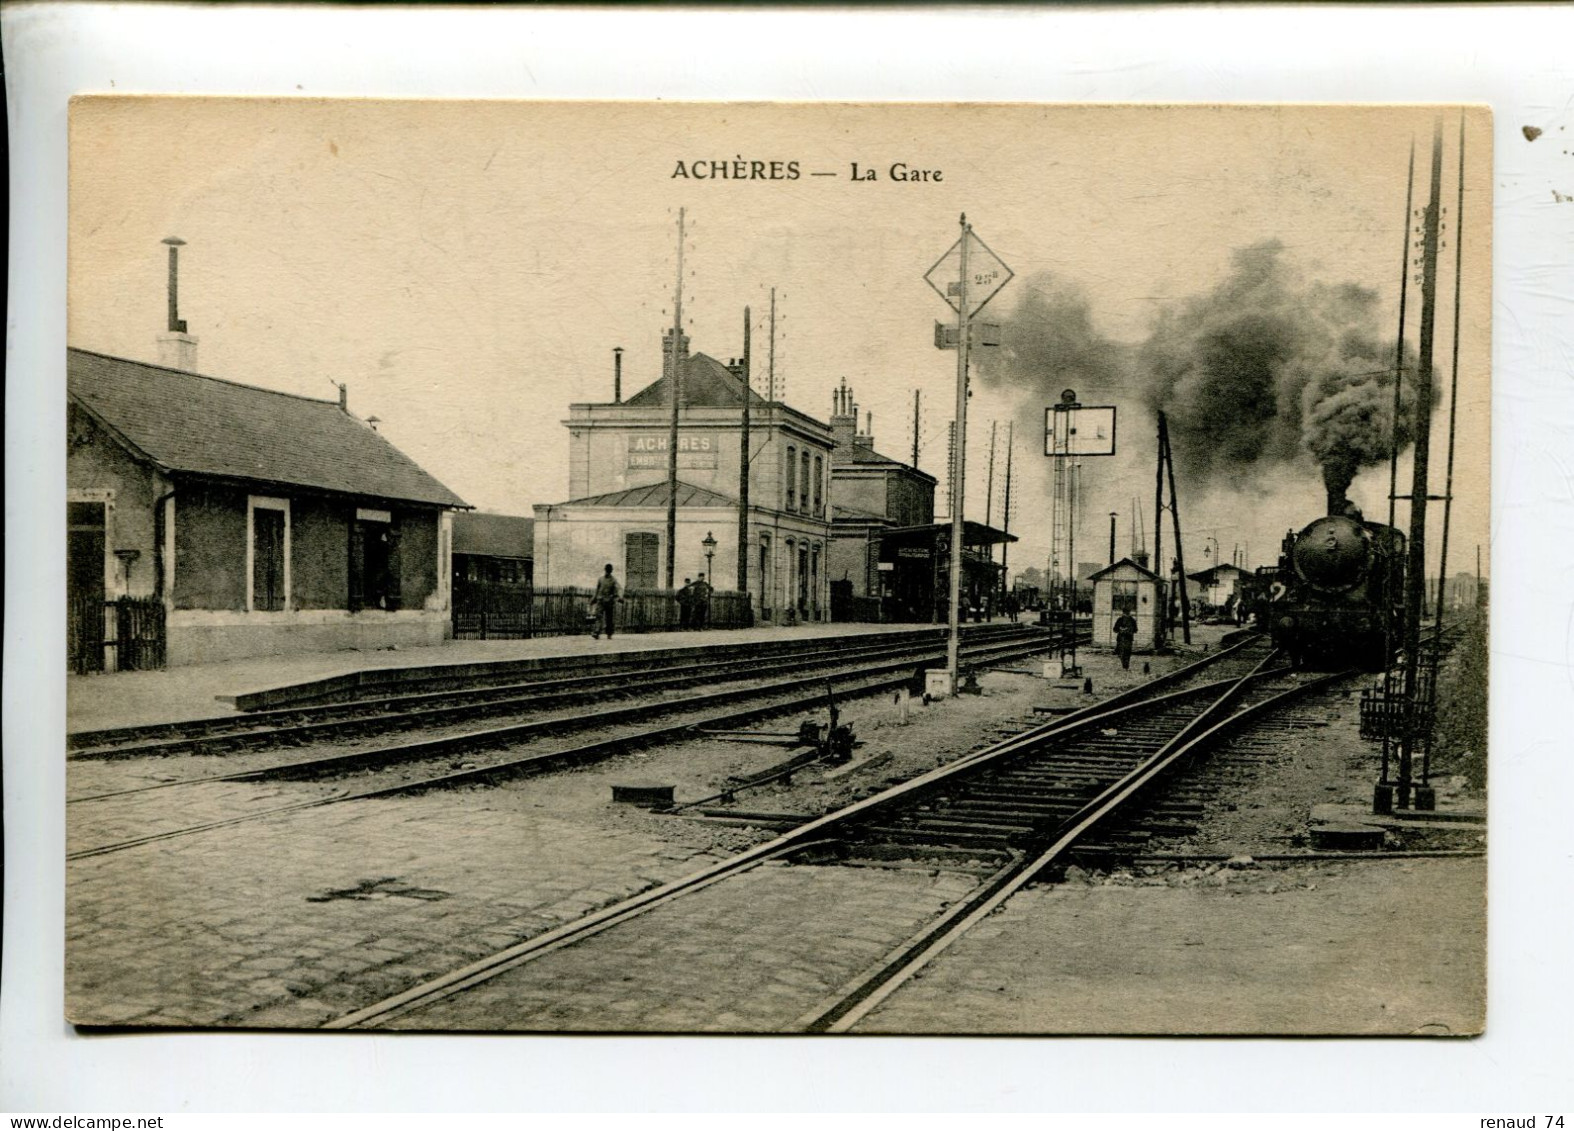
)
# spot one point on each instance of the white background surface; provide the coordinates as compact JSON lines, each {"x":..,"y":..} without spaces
{"x":1517,"y":59}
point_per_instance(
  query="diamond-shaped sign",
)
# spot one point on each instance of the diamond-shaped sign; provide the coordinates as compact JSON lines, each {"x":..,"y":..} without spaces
{"x":986,"y":274}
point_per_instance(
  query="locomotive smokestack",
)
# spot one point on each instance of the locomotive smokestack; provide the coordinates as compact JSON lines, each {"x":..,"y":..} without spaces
{"x":1339,"y":468}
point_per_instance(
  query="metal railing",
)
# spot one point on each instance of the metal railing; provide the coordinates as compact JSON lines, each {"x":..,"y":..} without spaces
{"x":492,"y":612}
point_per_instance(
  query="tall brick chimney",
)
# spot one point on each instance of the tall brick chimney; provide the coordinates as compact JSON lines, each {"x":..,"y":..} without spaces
{"x":666,"y":352}
{"x":844,"y":416}
{"x":176,"y":348}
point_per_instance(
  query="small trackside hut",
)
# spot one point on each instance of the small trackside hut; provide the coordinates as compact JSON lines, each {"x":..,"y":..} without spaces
{"x":214,"y":521}
{"x":1130,"y":588}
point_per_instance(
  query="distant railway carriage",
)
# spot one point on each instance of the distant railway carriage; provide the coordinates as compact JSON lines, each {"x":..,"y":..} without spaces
{"x":1334,"y":599}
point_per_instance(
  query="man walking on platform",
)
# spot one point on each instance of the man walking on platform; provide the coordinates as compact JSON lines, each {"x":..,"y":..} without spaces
{"x":1125,"y":633}
{"x":606,"y":602}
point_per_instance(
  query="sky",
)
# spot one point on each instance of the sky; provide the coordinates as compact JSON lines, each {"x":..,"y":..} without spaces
{"x":467,"y":268}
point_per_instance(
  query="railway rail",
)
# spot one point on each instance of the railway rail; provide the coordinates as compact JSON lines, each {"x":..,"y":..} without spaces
{"x":1019,"y":805}
{"x":706,"y":710}
{"x":476,"y":697}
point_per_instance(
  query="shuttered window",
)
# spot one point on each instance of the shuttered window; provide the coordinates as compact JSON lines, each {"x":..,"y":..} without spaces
{"x":639,"y":560}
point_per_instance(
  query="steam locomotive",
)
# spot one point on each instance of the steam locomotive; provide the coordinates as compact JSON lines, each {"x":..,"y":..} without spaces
{"x":1335,"y":599}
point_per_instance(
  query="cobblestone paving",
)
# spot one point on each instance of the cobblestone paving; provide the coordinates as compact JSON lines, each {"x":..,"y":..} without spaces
{"x":243,"y":926}
{"x":752,"y":954}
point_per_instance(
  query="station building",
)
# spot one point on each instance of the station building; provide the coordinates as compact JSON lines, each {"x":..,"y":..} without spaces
{"x":616,"y":508}
{"x":209,"y":520}
{"x":890,"y":560}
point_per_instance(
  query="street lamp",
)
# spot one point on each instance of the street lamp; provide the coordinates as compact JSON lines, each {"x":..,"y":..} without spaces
{"x":710,"y":552}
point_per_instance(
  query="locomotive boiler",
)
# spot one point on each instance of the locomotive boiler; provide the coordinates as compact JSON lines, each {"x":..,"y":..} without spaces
{"x":1336,"y":597}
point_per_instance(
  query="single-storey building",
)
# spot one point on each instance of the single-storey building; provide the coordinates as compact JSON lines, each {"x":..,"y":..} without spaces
{"x":1127,"y":587}
{"x":241,"y":522}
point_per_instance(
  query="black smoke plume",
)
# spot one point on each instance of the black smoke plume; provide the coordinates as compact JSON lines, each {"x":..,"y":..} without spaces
{"x":1048,"y":343}
{"x":1267,"y":368}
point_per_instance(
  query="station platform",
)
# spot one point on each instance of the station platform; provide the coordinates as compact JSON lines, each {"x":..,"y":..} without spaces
{"x":119,"y":699}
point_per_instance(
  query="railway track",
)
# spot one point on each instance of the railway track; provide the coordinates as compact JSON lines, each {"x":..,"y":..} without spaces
{"x":427,"y":763}
{"x":394,"y":710}
{"x":1018,"y":807}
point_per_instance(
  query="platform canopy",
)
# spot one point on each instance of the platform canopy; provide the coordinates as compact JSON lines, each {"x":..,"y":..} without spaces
{"x":973,"y":534}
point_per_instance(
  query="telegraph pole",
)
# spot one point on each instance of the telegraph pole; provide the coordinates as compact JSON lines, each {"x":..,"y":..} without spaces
{"x":1005,"y":547}
{"x":1426,"y":797}
{"x":1415,"y":573}
{"x":743,"y":466}
{"x":989,"y":490}
{"x":915,"y":429}
{"x":674,"y":391}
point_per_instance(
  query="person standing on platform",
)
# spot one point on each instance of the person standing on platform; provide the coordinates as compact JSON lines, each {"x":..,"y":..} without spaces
{"x":686,"y":605}
{"x":606,"y":600}
{"x":699,"y":607}
{"x":1125,"y":633}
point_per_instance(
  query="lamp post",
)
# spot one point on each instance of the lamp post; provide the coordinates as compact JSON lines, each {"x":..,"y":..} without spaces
{"x":710,"y":552}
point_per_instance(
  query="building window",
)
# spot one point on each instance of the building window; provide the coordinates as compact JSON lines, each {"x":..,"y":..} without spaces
{"x":803,"y":579}
{"x":639,"y":559}
{"x":374,"y":561}
{"x":814,"y":581}
{"x":792,"y":478}
{"x":1123,"y":597}
{"x":803,"y":490}
{"x":765,"y":574}
{"x":267,"y":554}
{"x":819,"y":493}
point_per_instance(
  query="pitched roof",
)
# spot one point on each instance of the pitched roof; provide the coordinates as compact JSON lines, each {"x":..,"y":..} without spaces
{"x":654,"y":495}
{"x":1208,"y":576}
{"x":186,"y":422}
{"x":494,"y":535}
{"x":1142,"y":569}
{"x":707,"y":383}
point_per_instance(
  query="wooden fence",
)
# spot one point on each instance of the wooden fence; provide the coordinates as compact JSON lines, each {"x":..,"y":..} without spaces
{"x":126,"y":634}
{"x":487,"y":611}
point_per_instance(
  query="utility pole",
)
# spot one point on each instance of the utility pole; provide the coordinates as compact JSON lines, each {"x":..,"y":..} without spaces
{"x":915,"y":429}
{"x":1415,"y":573}
{"x":1383,"y":792}
{"x":1167,"y":462}
{"x":989,"y":490}
{"x":1112,"y":517}
{"x":743,"y":466}
{"x":1399,"y":343}
{"x":1005,"y":547}
{"x":674,"y":390}
{"x":1426,"y":796}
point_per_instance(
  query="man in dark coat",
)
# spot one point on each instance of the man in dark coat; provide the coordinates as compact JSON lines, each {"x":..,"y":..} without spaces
{"x":606,"y":601}
{"x":699,"y":609}
{"x":1125,"y":633}
{"x":686,"y":604}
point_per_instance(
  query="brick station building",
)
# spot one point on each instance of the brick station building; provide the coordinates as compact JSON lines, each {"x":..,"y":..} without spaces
{"x":247,"y":522}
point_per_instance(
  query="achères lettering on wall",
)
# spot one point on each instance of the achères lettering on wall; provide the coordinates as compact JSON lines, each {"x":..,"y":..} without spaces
{"x":694,"y":451}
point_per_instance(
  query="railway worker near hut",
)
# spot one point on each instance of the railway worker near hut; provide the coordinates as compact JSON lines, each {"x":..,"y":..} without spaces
{"x":1125,"y":633}
{"x":606,"y":602}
